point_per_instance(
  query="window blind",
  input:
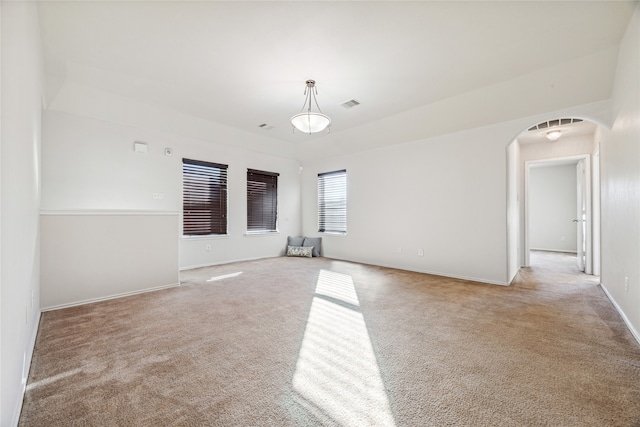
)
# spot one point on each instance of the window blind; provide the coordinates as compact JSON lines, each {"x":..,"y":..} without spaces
{"x":332,"y":202}
{"x":204,"y":198}
{"x":262,"y":200}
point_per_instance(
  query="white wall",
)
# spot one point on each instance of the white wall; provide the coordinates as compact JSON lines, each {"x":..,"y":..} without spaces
{"x":620,"y":191}
{"x":89,"y":256}
{"x":445,"y":195}
{"x":86,"y":101}
{"x":564,"y":147}
{"x":90,"y":164}
{"x":552,"y":208}
{"x":596,"y":200}
{"x":20,"y":190}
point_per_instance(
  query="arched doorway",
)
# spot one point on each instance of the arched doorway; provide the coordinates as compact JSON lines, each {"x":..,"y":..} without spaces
{"x":560,"y":143}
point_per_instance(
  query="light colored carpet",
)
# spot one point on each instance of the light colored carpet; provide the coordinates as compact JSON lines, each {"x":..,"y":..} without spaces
{"x":305,"y":342}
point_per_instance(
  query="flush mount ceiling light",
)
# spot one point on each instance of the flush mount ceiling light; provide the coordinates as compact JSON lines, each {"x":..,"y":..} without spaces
{"x":309,"y":121}
{"x":553,"y":135}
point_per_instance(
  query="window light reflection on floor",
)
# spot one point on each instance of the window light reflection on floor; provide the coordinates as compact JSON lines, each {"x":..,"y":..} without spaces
{"x":337,"y":375}
{"x":49,"y":380}
{"x":224,"y":276}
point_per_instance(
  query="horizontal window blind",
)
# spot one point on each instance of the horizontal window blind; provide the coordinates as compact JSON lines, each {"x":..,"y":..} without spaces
{"x":262,"y":200}
{"x":332,"y":202}
{"x":204,"y":200}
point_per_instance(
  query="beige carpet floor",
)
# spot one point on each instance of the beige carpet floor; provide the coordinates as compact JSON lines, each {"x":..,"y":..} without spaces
{"x":306,"y":342}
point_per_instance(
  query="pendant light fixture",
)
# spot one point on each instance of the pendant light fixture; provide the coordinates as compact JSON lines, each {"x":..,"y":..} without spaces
{"x":309,"y":121}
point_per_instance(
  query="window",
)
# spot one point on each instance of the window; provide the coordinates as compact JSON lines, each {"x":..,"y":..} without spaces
{"x":204,"y":198}
{"x":332,"y":202}
{"x":262,"y":200}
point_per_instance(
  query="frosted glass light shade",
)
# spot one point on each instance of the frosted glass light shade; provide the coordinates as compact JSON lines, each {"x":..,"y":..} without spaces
{"x":310,"y":122}
{"x":553,"y":135}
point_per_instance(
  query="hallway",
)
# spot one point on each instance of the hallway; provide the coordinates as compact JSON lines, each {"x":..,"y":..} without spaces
{"x":556,"y":275}
{"x":555,"y":269}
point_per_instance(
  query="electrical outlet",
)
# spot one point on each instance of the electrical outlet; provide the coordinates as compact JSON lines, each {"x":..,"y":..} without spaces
{"x":207,"y":248}
{"x":563,"y":238}
{"x":420,"y":252}
{"x":399,"y":250}
{"x":157,"y":196}
{"x":626,"y":284}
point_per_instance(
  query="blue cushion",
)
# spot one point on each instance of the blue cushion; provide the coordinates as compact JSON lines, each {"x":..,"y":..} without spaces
{"x":295,"y":241}
{"x":315,"y":242}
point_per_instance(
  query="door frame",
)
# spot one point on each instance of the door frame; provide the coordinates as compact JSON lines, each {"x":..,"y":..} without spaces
{"x":588,"y":196}
{"x":583,"y":205}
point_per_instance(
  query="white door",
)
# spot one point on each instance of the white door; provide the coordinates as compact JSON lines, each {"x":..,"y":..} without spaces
{"x":581,"y":214}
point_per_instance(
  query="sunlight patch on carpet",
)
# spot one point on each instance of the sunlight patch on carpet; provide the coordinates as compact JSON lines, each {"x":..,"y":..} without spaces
{"x":337,"y":374}
{"x":224,"y":276}
{"x":46,"y":381}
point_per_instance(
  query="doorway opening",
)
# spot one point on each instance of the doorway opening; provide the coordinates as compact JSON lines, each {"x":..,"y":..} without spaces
{"x":553,"y":198}
{"x":558,"y":209}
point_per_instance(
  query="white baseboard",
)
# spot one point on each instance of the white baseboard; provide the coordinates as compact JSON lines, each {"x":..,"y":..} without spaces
{"x":564,"y":251}
{"x":433,"y":273}
{"x":124,"y":294}
{"x":635,"y":333}
{"x":471,"y":279}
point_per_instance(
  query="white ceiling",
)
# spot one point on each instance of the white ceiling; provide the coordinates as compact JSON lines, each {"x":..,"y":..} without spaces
{"x":242,"y":64}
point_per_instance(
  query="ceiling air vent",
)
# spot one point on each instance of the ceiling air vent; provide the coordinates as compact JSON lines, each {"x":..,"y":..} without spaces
{"x":552,"y":123}
{"x":350,"y":103}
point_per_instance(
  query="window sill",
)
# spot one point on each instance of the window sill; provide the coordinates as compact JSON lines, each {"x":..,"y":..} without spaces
{"x":206,"y":237}
{"x":261,"y":233}
{"x":333,"y":233}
